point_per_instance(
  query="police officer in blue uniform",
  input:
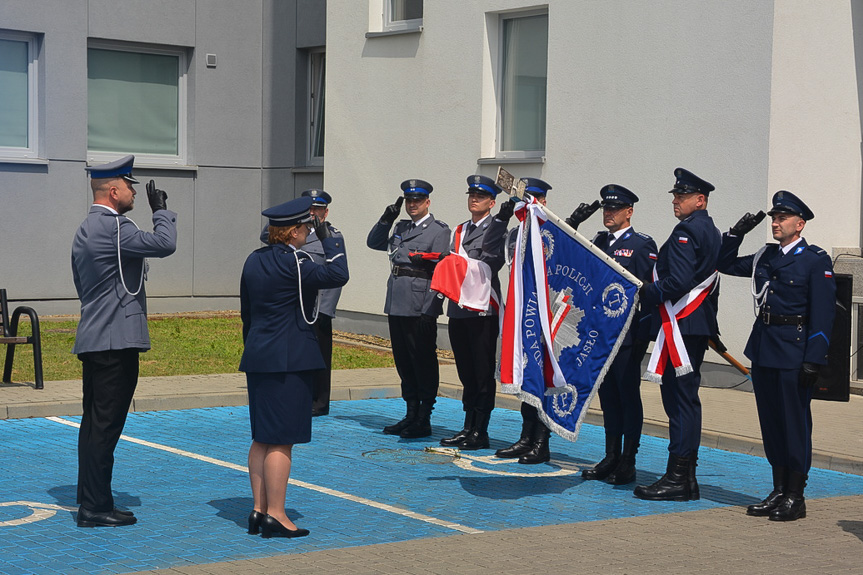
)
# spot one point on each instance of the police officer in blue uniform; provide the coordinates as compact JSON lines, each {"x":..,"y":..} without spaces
{"x":411,"y":307}
{"x":794,"y":291}
{"x":532,"y":446}
{"x":473,"y":335}
{"x":278,"y":289}
{"x":686,"y":260}
{"x":620,"y":391}
{"x":108,"y":268}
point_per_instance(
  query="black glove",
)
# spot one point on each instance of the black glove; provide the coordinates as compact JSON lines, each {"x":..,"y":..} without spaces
{"x":428,"y":325}
{"x":808,"y":374}
{"x":581,"y":213}
{"x":322,"y":229}
{"x":392,"y":212}
{"x":746,"y":224}
{"x":506,"y":210}
{"x":157,"y":198}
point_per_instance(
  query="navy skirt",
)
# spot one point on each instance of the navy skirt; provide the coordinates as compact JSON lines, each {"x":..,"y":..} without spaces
{"x":280,"y":407}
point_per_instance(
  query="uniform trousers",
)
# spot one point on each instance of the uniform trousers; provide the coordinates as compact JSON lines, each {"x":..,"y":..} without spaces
{"x":681,"y":402}
{"x":785,"y":417}
{"x":620,"y":393}
{"x":474,"y":344}
{"x":323,"y":328}
{"x":415,"y":356}
{"x":110,"y":378}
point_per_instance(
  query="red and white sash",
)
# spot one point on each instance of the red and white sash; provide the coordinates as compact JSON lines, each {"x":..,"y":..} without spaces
{"x":669,"y":341}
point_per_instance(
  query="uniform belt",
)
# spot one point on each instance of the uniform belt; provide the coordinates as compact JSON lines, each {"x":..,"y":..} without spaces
{"x":776,"y":319}
{"x":401,"y":271}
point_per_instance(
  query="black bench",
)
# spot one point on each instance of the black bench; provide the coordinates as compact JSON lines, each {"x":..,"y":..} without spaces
{"x":9,"y":336}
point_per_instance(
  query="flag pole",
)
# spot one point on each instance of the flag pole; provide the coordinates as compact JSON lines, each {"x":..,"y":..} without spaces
{"x":507,"y":181}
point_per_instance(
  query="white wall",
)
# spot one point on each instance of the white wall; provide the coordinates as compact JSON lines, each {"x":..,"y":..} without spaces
{"x":635,"y":90}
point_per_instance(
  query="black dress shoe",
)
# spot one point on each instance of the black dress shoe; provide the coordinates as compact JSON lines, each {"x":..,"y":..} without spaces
{"x":317,"y":412}
{"x":270,"y":527}
{"x":255,"y":519}
{"x":124,"y":512}
{"x":764,"y":508}
{"x":113,"y":518}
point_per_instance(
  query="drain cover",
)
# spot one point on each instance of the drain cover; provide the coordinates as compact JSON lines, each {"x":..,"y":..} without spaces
{"x":408,"y":456}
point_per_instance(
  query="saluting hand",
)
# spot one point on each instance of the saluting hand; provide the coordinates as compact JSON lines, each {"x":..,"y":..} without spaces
{"x":322,"y":230}
{"x":581,"y":213}
{"x":157,"y":198}
{"x":391,"y":213}
{"x":746,"y":224}
{"x":506,"y":210}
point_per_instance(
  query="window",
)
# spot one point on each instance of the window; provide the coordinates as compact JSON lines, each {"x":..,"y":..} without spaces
{"x":317,"y":85}
{"x":522,"y":86}
{"x":403,"y":14}
{"x":136,"y":104}
{"x":19,"y":112}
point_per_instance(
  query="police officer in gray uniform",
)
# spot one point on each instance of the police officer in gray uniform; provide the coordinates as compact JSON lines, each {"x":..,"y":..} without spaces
{"x":328,"y":299}
{"x":108,"y":268}
{"x":411,"y":308}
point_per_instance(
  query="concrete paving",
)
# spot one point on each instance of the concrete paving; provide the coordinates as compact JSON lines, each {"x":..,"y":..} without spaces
{"x":598,"y":528}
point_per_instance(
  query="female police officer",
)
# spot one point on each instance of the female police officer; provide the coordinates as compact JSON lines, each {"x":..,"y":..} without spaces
{"x":277,"y":304}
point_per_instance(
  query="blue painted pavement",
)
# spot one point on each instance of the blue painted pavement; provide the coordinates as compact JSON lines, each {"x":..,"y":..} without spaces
{"x":193,"y":510}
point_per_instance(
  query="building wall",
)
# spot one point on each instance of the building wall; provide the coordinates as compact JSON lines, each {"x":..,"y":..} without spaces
{"x":634,"y":91}
{"x":245,"y":129}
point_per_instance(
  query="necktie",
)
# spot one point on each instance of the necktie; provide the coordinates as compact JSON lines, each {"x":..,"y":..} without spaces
{"x":471,"y":227}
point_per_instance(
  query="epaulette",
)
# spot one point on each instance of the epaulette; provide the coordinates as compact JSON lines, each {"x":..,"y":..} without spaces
{"x":643,"y":235}
{"x":441,"y":224}
{"x":333,"y":228}
{"x":816,"y":249}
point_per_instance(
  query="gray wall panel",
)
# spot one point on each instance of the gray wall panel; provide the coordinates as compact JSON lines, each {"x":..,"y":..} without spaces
{"x":43,"y":206}
{"x":228,"y":97}
{"x":151,"y":21}
{"x":227,"y":228}
{"x":311,"y":23}
{"x":279,"y":92}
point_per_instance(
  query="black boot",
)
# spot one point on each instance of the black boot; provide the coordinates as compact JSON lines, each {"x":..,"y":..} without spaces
{"x":421,"y":425}
{"x":413,"y":406}
{"x":612,"y":457}
{"x":793,"y":506}
{"x":694,"y":492}
{"x":461,"y":435}
{"x":524,"y":443}
{"x":673,"y":486}
{"x":478,"y":436}
{"x":772,"y":501}
{"x":625,"y":471}
{"x":539,"y":450}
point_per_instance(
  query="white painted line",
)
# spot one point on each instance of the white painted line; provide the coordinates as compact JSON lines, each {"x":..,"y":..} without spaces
{"x":303,"y":484}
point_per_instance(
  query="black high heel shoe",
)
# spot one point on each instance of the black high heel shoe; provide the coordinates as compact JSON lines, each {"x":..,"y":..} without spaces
{"x":271,"y":527}
{"x":255,"y":519}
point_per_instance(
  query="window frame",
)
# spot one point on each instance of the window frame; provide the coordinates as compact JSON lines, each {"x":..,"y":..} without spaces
{"x":390,"y":25}
{"x":33,"y":149}
{"x":145,"y":159}
{"x":500,"y":90}
{"x":316,"y":86}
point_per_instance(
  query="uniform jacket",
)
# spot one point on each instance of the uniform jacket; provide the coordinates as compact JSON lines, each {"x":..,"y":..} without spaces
{"x":475,"y":248}
{"x":406,"y":295}
{"x":110,"y":317}
{"x":685,"y":260}
{"x":801,"y":283}
{"x":637,"y":253}
{"x":276,"y":337}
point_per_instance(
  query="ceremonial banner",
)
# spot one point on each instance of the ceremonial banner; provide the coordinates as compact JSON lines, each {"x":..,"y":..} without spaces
{"x":567,"y":310}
